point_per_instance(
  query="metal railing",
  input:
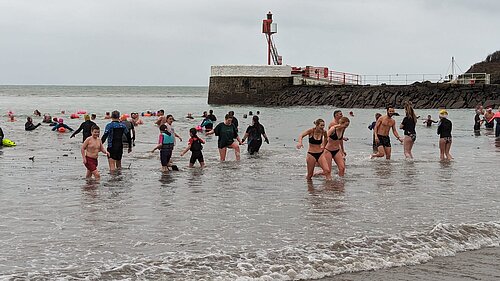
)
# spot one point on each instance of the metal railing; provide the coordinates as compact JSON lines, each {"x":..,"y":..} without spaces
{"x":400,"y":79}
{"x":473,"y":78}
{"x":344,"y":78}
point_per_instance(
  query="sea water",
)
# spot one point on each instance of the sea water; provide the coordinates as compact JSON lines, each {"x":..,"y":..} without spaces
{"x":256,"y":219}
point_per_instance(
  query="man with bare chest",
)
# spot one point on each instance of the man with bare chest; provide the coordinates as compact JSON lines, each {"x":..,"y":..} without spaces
{"x":381,"y":134}
{"x":90,"y":152}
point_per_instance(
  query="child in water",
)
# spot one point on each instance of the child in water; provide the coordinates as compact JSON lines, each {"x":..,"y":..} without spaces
{"x":195,"y":145}
{"x":90,"y":152}
{"x":165,"y":145}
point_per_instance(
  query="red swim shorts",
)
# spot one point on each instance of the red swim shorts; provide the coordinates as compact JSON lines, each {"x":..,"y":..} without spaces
{"x":91,"y":163}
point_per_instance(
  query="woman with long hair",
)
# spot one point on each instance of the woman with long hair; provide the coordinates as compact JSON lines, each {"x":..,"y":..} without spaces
{"x":408,"y":125}
{"x":317,"y":141}
{"x":333,"y":148}
{"x":254,"y":134}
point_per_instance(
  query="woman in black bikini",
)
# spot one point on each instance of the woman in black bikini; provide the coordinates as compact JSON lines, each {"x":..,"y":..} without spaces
{"x":317,"y":140}
{"x":333,"y":148}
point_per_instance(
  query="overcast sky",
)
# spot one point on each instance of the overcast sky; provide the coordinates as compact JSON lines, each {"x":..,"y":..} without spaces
{"x":166,"y":42}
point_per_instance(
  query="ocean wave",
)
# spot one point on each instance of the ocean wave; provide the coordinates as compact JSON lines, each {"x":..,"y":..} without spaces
{"x":301,"y":262}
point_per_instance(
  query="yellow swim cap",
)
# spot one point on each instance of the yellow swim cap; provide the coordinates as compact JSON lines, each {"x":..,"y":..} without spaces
{"x":443,"y":112}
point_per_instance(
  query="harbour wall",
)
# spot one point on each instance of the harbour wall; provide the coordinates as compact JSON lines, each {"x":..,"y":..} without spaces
{"x":273,"y":86}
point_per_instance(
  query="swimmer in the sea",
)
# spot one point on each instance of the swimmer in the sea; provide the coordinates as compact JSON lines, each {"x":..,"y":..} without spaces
{"x":195,"y":144}
{"x":114,"y":132}
{"x":60,"y":124}
{"x":29,"y":126}
{"x":254,"y":134}
{"x":381,"y":134}
{"x":410,"y":134}
{"x":90,"y":152}
{"x":227,"y":132}
{"x":166,"y":146}
{"x":317,"y":141}
{"x":333,"y":147}
{"x":445,"y":138}
{"x":85,"y":128}
{"x":428,"y":122}
{"x":371,"y":127}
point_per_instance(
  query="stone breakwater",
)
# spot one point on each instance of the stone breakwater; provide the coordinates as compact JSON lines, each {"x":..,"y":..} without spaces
{"x":280,"y":92}
{"x":424,"y":95}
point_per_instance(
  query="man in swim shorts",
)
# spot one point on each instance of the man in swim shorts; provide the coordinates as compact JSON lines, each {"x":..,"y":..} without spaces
{"x":114,"y":132}
{"x":90,"y":152}
{"x":381,"y":134}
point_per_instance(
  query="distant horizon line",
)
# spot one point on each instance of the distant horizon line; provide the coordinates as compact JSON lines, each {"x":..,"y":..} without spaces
{"x":90,"y":85}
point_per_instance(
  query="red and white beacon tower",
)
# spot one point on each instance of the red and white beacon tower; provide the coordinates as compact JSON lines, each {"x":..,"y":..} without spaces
{"x":269,"y":28}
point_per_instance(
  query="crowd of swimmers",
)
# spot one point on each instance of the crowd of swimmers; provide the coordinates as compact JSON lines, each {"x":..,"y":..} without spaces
{"x":325,"y":143}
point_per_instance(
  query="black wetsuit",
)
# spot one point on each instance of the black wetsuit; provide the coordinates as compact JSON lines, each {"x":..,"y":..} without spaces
{"x":212,"y":117}
{"x":409,"y":128}
{"x":235,"y":123}
{"x":86,"y":128}
{"x":114,"y":132}
{"x":29,"y":126}
{"x":444,"y":129}
{"x":255,"y":133}
{"x":1,"y":137}
{"x":477,"y":122}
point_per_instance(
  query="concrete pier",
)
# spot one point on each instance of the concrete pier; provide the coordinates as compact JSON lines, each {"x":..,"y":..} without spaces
{"x":274,"y":86}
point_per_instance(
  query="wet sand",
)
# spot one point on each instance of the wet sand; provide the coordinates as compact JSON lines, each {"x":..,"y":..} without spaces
{"x":482,"y":264}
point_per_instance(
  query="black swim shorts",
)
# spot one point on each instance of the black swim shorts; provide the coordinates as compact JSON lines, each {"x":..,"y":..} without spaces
{"x":384,"y":141}
{"x":115,"y":152}
{"x":196,"y":155}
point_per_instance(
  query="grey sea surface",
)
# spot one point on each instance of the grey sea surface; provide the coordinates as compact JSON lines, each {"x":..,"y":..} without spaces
{"x":256,"y":219}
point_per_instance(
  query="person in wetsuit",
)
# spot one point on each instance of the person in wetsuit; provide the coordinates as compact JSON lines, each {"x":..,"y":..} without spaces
{"x":333,"y":148}
{"x":207,"y":123}
{"x":85,"y":128}
{"x":211,"y":115}
{"x":235,"y":121}
{"x":477,"y":123}
{"x":444,"y":132}
{"x":29,"y":126}
{"x":428,"y":122}
{"x":408,"y":125}
{"x":114,"y":132}
{"x":1,"y":136}
{"x":60,"y":124}
{"x":371,"y":127}
{"x":254,"y":134}
{"x":317,"y":140}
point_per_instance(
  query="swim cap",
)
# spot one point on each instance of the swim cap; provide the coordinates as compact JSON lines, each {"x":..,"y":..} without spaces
{"x":443,"y":112}
{"x":60,"y":120}
{"x":123,"y":117}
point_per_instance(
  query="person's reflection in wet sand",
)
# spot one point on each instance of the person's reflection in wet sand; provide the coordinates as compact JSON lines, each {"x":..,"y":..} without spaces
{"x":166,"y":179}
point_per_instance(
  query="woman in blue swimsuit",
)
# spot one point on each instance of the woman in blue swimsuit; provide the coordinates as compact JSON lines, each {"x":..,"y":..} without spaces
{"x":317,"y":140}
